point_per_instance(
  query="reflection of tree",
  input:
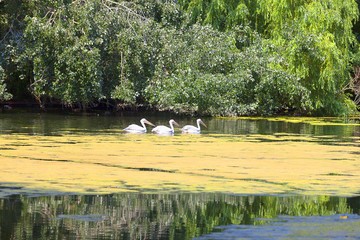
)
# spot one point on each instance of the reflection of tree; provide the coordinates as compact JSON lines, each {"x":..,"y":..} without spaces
{"x":156,"y":216}
{"x":354,"y":204}
{"x":10,"y":214}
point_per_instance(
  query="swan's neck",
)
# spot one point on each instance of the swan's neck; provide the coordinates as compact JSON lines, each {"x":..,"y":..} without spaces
{"x":171,"y":127}
{"x":143,"y":125}
{"x":198,"y":124}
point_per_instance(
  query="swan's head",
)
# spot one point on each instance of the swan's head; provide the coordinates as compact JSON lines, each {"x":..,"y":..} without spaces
{"x":200,"y":121}
{"x":147,"y":122}
{"x":172,"y":121}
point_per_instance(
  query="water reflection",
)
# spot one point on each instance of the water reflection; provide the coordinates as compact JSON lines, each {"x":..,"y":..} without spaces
{"x":56,"y":123}
{"x":154,"y":216}
{"x":165,"y":134}
{"x":90,"y":153}
{"x":289,"y":227}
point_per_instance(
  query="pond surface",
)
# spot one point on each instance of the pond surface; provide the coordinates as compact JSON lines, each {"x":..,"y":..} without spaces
{"x":79,"y":176}
{"x":179,"y":216}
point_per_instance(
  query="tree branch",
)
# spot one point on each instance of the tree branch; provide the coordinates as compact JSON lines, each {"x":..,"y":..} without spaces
{"x":354,"y":85}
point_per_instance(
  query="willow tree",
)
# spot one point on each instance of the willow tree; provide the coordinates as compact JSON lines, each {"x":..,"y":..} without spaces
{"x":315,"y":38}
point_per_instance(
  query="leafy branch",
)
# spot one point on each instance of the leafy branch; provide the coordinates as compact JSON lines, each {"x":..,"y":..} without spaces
{"x":111,"y":5}
{"x":33,"y":92}
{"x":354,"y":85}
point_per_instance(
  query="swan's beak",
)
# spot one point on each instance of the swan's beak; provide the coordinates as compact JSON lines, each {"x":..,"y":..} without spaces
{"x":147,"y":122}
{"x":177,"y":124}
{"x":203,"y":123}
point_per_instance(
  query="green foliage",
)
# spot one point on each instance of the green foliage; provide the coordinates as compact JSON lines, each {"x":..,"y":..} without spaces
{"x":214,"y":57}
{"x":315,"y":38}
{"x":193,"y":73}
{"x":66,"y":49}
{"x":211,"y":76}
{"x":223,"y":14}
{"x":4,"y":95}
{"x":12,"y":14}
{"x":87,"y":51}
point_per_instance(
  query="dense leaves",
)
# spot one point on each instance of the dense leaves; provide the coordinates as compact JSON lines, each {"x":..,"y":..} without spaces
{"x":212,"y":76}
{"x":4,"y":95}
{"x":314,"y":37}
{"x":214,"y":57}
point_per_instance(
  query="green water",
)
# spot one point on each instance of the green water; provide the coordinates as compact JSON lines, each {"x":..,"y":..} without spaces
{"x":229,"y":197}
{"x":172,"y":216}
{"x":54,"y":123}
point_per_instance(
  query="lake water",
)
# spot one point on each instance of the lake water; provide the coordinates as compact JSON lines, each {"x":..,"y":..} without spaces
{"x":79,"y":176}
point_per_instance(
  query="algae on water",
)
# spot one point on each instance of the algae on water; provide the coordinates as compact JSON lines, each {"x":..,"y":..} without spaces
{"x":238,"y":164}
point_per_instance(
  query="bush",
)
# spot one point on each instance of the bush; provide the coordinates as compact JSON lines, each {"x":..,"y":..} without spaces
{"x":210,"y":75}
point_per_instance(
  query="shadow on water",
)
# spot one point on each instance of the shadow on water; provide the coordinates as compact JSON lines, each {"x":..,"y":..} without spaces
{"x":173,"y":216}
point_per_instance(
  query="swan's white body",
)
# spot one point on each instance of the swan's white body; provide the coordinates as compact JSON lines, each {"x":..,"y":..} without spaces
{"x":165,"y":130}
{"x":193,"y":129}
{"x":133,"y":128}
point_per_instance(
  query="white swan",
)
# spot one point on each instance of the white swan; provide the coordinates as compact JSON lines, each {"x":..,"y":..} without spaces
{"x":133,"y":128}
{"x":193,"y":129}
{"x":163,"y":130}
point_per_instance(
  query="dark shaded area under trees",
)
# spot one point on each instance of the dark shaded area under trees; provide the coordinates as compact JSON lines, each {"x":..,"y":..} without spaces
{"x":211,"y":57}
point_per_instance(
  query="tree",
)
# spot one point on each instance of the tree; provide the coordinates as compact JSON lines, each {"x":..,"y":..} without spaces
{"x":229,"y":57}
{"x":315,"y":38}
